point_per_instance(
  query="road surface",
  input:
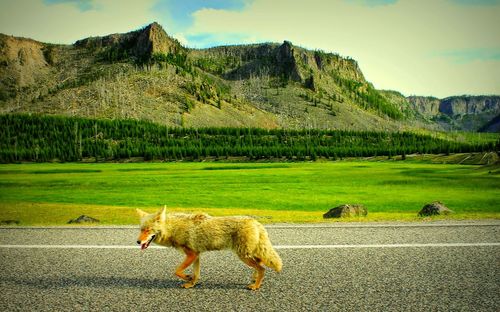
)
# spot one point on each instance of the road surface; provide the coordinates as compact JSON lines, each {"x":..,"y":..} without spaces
{"x":350,"y":267}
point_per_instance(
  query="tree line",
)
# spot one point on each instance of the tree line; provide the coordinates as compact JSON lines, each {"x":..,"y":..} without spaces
{"x":43,"y":138}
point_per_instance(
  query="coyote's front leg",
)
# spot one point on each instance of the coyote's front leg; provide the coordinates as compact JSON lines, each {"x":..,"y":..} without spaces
{"x":196,"y":274}
{"x":191,"y":256}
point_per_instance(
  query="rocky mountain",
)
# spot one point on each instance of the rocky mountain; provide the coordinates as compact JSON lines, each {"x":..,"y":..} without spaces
{"x":146,"y":74}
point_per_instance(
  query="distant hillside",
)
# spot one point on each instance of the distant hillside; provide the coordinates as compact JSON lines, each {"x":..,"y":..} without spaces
{"x":147,"y":75}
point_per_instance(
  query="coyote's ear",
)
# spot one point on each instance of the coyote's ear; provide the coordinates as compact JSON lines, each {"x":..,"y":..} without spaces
{"x":162,"y":214}
{"x":141,"y":213}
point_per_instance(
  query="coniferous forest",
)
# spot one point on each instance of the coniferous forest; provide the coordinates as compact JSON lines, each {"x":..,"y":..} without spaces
{"x":42,"y":138}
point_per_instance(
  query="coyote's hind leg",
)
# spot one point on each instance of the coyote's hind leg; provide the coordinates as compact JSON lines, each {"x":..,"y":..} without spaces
{"x":258,"y":274}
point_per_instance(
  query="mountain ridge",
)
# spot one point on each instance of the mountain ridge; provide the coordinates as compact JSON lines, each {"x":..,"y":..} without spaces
{"x":146,"y":74}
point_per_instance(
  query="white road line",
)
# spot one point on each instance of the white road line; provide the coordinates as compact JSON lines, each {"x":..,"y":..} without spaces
{"x":73,"y":246}
{"x":386,"y":245}
{"x":276,"y":246}
{"x":371,"y":225}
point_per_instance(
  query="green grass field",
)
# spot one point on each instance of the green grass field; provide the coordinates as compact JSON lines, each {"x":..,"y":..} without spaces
{"x":51,"y":194}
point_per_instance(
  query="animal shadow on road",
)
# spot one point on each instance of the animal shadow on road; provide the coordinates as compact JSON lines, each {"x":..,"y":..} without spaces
{"x":111,"y":281}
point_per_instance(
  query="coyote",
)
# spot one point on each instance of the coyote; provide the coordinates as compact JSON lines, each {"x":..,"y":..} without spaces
{"x":196,"y":233}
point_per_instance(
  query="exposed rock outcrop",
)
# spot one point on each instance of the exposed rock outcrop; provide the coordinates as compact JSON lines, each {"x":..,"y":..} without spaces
{"x":142,"y":43}
{"x":425,"y":105}
{"x":459,"y":112}
{"x":285,"y":58}
{"x":461,"y":105}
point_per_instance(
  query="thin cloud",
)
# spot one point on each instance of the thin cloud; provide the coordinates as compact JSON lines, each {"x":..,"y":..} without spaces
{"x":470,"y":55}
{"x":476,"y":2}
{"x":372,"y":3}
{"x":82,"y":5}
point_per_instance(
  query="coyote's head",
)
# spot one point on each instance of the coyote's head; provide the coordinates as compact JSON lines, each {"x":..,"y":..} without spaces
{"x":150,"y":226}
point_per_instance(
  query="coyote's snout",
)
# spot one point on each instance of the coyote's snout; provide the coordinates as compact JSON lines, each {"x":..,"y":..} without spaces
{"x":196,"y":233}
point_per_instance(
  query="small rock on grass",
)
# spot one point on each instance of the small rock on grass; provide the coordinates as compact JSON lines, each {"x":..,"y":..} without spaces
{"x":345,"y":211}
{"x":434,"y":208}
{"x":83,"y":219}
{"x":9,"y":222}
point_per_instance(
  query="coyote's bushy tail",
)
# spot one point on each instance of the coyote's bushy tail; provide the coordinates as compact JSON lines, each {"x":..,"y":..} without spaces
{"x":266,"y":252}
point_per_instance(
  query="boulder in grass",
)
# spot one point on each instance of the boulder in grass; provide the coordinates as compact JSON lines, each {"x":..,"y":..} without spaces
{"x":435,"y":208}
{"x":345,"y":211}
{"x":83,"y":219}
{"x":9,"y":222}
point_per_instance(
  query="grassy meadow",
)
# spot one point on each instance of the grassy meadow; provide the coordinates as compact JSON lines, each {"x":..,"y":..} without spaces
{"x":53,"y":193}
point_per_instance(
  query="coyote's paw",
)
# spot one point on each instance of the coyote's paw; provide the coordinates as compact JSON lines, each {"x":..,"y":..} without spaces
{"x":188,"y":285}
{"x":185,"y":277}
{"x":253,"y":287}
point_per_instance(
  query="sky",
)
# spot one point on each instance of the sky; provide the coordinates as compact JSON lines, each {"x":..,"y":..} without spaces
{"x":417,"y":47}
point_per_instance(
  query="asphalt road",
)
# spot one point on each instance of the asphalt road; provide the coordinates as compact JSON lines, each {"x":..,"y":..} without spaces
{"x":354,"y":267}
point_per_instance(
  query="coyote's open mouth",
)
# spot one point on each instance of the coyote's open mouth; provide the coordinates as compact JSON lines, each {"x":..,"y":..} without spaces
{"x":146,"y":244}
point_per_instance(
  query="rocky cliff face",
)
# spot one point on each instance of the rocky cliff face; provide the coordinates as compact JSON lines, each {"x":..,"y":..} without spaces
{"x":455,"y":105}
{"x":425,"y":105}
{"x":285,"y":58}
{"x":141,"y":44}
{"x":461,"y":105}
{"x":459,"y":112}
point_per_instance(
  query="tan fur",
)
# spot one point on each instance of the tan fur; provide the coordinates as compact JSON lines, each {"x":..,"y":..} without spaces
{"x":196,"y":233}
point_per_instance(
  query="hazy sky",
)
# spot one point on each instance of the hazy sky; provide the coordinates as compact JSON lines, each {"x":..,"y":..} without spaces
{"x":417,"y":47}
